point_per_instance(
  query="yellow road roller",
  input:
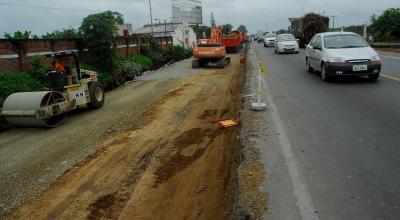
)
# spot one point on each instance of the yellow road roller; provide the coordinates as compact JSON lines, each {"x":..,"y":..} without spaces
{"x":68,"y":90}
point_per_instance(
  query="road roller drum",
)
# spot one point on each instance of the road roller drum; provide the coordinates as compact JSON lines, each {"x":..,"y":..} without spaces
{"x":37,"y":109}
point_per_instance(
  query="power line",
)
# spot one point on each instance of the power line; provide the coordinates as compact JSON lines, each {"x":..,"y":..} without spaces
{"x":42,"y":7}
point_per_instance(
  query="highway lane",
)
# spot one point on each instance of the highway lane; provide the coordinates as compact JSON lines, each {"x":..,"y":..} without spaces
{"x":391,"y":67}
{"x":341,"y":139}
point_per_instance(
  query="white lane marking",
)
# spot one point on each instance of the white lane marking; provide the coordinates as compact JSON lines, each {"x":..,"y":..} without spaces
{"x":391,"y":77}
{"x":304,"y":201}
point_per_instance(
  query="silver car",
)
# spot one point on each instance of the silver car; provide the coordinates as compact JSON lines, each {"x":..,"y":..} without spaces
{"x":270,"y":40}
{"x":342,"y":54}
{"x":286,"y":43}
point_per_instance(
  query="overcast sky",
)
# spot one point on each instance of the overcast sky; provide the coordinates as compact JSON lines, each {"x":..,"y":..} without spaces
{"x":252,"y":13}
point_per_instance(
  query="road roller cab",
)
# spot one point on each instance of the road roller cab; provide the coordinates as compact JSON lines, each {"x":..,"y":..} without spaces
{"x":68,"y":90}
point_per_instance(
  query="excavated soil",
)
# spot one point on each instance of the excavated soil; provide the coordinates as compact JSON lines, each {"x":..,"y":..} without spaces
{"x":177,"y":164}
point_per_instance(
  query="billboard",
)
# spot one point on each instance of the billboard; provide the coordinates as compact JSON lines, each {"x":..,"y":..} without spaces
{"x":187,"y":11}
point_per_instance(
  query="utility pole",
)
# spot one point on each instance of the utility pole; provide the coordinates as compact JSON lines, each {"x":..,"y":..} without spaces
{"x":333,"y":21}
{"x":266,"y":27}
{"x":165,"y":21}
{"x":151,"y":19}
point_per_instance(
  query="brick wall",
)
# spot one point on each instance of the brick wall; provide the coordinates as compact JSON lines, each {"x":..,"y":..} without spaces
{"x":13,"y":60}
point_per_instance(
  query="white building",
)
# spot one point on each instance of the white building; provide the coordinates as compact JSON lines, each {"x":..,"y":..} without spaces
{"x":125,"y":29}
{"x":187,"y":11}
{"x":182,"y":34}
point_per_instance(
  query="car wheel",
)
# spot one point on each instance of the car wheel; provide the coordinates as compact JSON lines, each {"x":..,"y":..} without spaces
{"x":373,"y":78}
{"x":309,"y":68}
{"x":324,"y":76}
{"x":275,"y":50}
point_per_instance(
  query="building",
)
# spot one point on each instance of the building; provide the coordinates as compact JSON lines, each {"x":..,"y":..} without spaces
{"x":125,"y":29}
{"x":187,"y":11}
{"x":182,"y":34}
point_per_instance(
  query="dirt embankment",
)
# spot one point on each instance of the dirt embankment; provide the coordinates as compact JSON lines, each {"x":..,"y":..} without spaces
{"x":177,"y":165}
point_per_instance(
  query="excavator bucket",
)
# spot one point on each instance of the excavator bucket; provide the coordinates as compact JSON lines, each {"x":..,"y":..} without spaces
{"x":37,"y":109}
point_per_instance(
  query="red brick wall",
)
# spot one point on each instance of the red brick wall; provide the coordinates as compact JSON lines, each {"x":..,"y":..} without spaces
{"x":127,"y":46}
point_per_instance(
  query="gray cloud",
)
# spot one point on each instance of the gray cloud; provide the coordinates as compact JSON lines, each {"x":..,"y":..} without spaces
{"x":253,"y":13}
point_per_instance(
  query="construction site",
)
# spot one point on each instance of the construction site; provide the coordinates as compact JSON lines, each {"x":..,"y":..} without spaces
{"x":165,"y":146}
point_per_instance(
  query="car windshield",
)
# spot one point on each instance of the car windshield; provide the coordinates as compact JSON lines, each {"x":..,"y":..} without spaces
{"x":271,"y":35}
{"x":344,"y":41}
{"x":286,"y":38}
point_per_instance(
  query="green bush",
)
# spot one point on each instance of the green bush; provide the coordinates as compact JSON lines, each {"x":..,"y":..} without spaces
{"x":143,"y":61}
{"x":127,"y":66}
{"x":38,"y":70}
{"x":104,"y":78}
{"x":154,"y":55}
{"x":12,"y":82}
{"x":178,"y":52}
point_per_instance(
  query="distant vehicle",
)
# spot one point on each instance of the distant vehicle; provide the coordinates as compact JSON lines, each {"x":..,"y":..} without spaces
{"x":286,"y":43}
{"x":269,"y":40}
{"x":306,"y":27}
{"x":342,"y":54}
{"x":260,"y":36}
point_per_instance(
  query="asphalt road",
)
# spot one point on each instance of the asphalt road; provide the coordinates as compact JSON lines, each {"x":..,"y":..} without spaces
{"x":391,"y":66}
{"x":331,"y":150}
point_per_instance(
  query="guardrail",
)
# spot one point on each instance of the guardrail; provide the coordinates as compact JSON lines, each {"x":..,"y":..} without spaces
{"x":385,"y":45}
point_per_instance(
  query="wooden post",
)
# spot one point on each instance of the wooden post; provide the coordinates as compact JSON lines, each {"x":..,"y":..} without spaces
{"x":127,"y":46}
{"x":139,"y":44}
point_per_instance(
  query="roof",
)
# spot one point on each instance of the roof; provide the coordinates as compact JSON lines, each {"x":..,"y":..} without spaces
{"x":336,"y":33}
{"x":157,"y":28}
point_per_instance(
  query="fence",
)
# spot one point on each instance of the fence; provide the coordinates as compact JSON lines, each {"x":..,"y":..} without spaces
{"x":15,"y":54}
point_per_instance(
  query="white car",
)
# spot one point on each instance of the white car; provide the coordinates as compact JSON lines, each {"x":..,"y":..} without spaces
{"x":269,"y":40}
{"x":342,"y":54}
{"x":286,"y":43}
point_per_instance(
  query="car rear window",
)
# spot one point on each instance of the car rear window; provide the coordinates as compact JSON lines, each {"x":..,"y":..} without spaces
{"x":344,"y":41}
{"x":286,"y":38}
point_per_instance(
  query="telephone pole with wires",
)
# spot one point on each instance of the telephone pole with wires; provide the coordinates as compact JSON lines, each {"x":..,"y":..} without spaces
{"x":151,"y":19}
{"x":333,"y":20}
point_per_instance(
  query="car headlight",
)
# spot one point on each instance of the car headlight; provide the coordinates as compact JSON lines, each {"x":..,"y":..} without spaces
{"x":375,"y":58}
{"x":337,"y":60}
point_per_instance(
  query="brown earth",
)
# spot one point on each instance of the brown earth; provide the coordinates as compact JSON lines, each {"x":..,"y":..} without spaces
{"x":176,"y":165}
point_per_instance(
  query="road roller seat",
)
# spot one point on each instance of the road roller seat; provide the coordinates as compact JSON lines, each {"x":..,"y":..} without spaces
{"x":56,"y":81}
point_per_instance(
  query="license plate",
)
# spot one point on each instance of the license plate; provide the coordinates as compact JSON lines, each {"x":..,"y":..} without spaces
{"x":357,"y":68}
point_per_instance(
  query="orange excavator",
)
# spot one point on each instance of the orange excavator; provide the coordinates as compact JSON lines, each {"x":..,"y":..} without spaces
{"x":211,"y":52}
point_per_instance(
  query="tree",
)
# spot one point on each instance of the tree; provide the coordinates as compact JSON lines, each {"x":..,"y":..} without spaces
{"x":18,"y":35}
{"x":242,"y":28}
{"x":18,"y":41}
{"x":213,"y":24}
{"x":69,"y":33}
{"x":386,"y":27}
{"x":202,"y":31}
{"x":99,"y":31}
{"x":226,"y":28}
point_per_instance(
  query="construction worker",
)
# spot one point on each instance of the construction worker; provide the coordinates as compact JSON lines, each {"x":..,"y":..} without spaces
{"x":58,"y":67}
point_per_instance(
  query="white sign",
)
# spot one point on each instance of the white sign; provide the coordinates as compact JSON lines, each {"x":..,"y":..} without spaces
{"x":79,"y":94}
